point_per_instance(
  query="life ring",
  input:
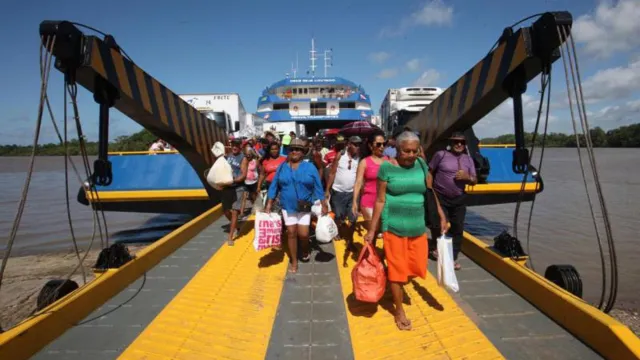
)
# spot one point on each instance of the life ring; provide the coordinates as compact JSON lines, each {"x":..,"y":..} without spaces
{"x":333,"y":107}
{"x":295,"y":108}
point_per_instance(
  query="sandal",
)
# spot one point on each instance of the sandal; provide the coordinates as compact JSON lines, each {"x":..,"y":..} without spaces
{"x":306,"y":258}
{"x":457,"y":266}
{"x":434,"y":254}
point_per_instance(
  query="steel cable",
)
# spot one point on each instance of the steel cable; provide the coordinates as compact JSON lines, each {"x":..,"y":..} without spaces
{"x":564,"y":48}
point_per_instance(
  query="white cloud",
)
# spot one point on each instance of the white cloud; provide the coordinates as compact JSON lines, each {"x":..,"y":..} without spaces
{"x":613,"y":28}
{"x":387,"y":73}
{"x":500,"y":120}
{"x":613,"y":116}
{"x":428,"y":78}
{"x":379,"y":57}
{"x":432,"y":13}
{"x":613,"y":83}
{"x":413,"y":65}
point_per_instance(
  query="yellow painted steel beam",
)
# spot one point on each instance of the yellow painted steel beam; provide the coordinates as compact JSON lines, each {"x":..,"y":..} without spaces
{"x":142,"y":152}
{"x":30,"y":336}
{"x":147,"y":195}
{"x":601,"y":332}
{"x":201,"y":194}
{"x":482,"y":88}
{"x":501,"y":188}
{"x":441,"y":329}
{"x":141,"y":97}
{"x":497,"y":145}
{"x":226,"y":311}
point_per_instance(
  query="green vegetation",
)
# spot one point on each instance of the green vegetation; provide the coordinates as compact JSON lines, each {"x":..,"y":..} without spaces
{"x":624,"y":136}
{"x":139,"y":141}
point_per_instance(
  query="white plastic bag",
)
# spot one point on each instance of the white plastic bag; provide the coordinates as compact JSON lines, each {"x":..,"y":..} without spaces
{"x":446,"y":272}
{"x":220,"y":174}
{"x":260,"y":203}
{"x":316,"y":209}
{"x":326,"y":229}
{"x":267,"y":229}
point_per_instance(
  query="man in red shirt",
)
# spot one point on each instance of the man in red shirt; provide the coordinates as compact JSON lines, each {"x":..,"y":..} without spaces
{"x":337,"y":147}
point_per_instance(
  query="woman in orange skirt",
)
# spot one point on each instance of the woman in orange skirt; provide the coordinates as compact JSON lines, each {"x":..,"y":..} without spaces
{"x":400,"y":205}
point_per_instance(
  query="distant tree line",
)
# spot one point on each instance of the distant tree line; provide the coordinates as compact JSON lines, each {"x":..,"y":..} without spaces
{"x":624,"y":136}
{"x":139,"y":141}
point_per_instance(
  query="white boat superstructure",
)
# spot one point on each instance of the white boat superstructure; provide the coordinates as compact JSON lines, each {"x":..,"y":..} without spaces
{"x":400,"y":105}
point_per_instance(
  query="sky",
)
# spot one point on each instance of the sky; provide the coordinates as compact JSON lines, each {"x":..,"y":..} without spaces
{"x":243,"y":46}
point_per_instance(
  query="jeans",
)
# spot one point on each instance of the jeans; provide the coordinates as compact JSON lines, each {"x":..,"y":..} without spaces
{"x":455,"y":210}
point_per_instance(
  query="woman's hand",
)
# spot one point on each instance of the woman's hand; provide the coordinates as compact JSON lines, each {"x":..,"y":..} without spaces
{"x":325,"y":208}
{"x":369,"y":237}
{"x":444,"y":224}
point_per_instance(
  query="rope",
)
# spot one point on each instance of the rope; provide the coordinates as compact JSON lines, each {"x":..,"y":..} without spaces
{"x":25,"y":189}
{"x":545,"y":81}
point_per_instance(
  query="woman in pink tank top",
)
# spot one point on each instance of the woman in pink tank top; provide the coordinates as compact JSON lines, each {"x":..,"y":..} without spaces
{"x":367,"y":176}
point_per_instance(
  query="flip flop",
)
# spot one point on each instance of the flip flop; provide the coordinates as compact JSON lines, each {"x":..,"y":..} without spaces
{"x":457,"y":266}
{"x":306,"y":258}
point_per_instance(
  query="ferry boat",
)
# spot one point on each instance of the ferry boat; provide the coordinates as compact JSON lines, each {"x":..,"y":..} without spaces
{"x":307,"y":105}
{"x":190,"y":295}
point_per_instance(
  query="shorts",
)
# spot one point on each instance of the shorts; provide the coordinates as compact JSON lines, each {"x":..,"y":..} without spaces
{"x":296,"y":218}
{"x":232,"y":197}
{"x":341,"y":203}
{"x":406,"y":256}
{"x":252,"y":188}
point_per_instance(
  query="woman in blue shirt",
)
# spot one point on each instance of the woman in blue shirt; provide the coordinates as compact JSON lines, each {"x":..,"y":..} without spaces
{"x":298,"y":184}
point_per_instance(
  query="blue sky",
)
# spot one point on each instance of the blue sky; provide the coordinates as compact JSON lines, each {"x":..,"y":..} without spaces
{"x":243,"y":46}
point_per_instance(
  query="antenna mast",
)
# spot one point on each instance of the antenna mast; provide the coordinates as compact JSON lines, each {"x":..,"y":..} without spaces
{"x":295,"y":69}
{"x":313,"y":57}
{"x":328,"y":60}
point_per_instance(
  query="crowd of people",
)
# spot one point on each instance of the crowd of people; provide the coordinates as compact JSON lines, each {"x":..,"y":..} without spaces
{"x":387,"y":181}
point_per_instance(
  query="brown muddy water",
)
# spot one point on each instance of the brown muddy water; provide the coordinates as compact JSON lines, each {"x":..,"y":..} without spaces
{"x":562,"y":231}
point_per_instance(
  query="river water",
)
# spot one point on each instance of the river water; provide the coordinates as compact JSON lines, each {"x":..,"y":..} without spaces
{"x":562,"y":230}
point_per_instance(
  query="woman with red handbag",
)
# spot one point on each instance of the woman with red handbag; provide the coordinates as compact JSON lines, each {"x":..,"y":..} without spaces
{"x":401,"y":186}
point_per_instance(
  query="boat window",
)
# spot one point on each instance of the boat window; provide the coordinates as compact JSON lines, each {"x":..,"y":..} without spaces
{"x":306,"y":90}
{"x":295,"y":91}
{"x":284,"y":106}
{"x":313,"y":90}
{"x":319,"y":108}
{"x":348,"y":105}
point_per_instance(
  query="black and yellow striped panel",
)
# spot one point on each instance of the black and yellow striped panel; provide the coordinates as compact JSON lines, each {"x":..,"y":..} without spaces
{"x":151,"y":104}
{"x":477,"y":92}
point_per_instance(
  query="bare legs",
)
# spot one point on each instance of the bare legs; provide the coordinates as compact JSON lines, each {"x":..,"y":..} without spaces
{"x":401,"y":318}
{"x":295,"y":233}
{"x":232,"y":216}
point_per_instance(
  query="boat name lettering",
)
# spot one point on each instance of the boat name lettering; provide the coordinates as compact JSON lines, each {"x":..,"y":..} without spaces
{"x":298,"y":81}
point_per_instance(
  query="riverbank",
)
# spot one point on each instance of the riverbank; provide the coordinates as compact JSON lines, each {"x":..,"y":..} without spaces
{"x":25,"y":276}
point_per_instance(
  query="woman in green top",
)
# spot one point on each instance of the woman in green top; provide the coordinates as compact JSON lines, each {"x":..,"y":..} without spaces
{"x":400,"y":204}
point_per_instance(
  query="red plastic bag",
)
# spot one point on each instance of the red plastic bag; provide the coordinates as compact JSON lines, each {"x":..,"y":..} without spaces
{"x":369,"y":279}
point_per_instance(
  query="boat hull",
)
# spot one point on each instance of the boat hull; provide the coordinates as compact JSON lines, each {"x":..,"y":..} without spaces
{"x":166,"y":183}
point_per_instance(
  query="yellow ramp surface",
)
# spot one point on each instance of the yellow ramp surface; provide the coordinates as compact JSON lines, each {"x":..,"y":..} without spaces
{"x":226,"y":311}
{"x":441,"y":330}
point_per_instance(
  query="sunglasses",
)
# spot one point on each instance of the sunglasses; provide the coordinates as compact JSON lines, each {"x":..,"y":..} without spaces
{"x":456,"y":142}
{"x":296,"y":149}
{"x":349,"y":165}
{"x":378,"y":144}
